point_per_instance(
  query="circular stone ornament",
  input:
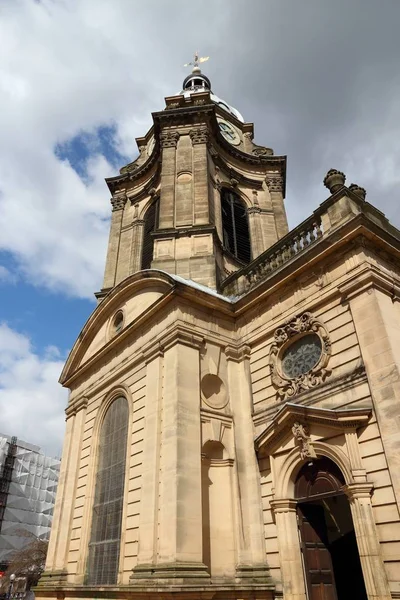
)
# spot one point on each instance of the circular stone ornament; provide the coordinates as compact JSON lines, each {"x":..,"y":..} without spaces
{"x":299,"y":355}
{"x":213,"y":391}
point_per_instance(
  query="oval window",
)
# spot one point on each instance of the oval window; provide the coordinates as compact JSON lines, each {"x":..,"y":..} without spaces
{"x":302,"y":356}
{"x":118,"y":322}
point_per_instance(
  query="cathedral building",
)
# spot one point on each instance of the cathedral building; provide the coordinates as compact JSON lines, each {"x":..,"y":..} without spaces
{"x":233,"y":427}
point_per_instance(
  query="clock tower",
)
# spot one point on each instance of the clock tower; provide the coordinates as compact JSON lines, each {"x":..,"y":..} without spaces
{"x":202,"y":200}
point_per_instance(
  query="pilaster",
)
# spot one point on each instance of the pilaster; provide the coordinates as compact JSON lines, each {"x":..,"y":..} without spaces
{"x":199,"y":137}
{"x":289,"y":549}
{"x":168,"y":141}
{"x":376,"y":582}
{"x":256,"y":237}
{"x":148,"y":531}
{"x":250,"y":532}
{"x":57,"y":556}
{"x":118,"y":202}
{"x":179,"y":511}
{"x":378,"y":329}
{"x":137,"y":246}
{"x":275,"y":184}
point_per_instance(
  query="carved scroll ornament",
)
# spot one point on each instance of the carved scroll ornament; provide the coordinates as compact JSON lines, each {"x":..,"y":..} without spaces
{"x":303,"y":339}
{"x":118,"y":201}
{"x":199,"y":135}
{"x":169,"y":139}
{"x":302,"y":436}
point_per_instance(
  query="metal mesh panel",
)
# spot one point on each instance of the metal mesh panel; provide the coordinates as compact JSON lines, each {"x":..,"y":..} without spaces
{"x":235,"y":226}
{"x":28,"y":484}
{"x":104,"y":546}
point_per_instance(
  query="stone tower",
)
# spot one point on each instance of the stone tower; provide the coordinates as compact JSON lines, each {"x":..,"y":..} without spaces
{"x":201,"y":200}
{"x":232,"y":430}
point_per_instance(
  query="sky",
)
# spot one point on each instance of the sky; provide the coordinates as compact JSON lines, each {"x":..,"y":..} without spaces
{"x":79,"y":80}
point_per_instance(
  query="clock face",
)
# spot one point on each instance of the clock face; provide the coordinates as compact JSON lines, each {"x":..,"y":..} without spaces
{"x":229,"y":132}
{"x":150,"y":146}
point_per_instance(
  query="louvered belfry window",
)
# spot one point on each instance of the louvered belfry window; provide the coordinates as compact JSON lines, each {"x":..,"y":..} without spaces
{"x":150,"y":224}
{"x":235,"y":226}
{"x":105,"y":541}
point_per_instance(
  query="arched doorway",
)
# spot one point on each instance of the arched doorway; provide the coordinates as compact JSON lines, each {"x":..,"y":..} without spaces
{"x":329,"y":548}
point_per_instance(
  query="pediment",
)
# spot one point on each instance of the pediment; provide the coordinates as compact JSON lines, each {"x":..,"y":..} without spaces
{"x":137,"y":298}
{"x":281,"y":425}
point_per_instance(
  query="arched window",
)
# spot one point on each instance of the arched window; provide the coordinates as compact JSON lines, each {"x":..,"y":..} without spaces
{"x":235,"y":226}
{"x":150,"y":223}
{"x":105,"y":540}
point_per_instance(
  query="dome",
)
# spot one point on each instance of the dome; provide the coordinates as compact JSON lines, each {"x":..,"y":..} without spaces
{"x":197,"y":82}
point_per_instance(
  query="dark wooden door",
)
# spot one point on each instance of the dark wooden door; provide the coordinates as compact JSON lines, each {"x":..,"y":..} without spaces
{"x":317,"y":558}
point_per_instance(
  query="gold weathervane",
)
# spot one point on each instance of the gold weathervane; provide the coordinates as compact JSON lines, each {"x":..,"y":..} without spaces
{"x":196,"y":60}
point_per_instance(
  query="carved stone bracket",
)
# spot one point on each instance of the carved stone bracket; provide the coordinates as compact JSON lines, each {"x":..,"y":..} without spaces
{"x":169,"y":139}
{"x":294,"y":329}
{"x":199,"y":135}
{"x":274,"y":182}
{"x":302,"y":436}
{"x":118,"y":201}
{"x":262,"y":151}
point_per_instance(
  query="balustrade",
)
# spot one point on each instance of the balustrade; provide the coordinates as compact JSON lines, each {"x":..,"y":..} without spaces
{"x":284,"y":250}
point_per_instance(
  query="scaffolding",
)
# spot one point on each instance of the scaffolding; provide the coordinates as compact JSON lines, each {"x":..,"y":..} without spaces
{"x":28,"y":484}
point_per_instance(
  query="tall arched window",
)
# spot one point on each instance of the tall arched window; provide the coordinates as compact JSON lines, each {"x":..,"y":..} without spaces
{"x":150,"y":223}
{"x":105,"y":540}
{"x":235,"y":226}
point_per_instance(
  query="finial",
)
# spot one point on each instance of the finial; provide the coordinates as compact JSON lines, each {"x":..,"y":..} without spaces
{"x":357,"y":189}
{"x":196,"y":61}
{"x":334,"y":180}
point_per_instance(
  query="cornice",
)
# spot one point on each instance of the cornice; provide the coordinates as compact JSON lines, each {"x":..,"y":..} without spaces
{"x":136,"y":173}
{"x":238,"y":353}
{"x":370,"y":278}
{"x":282,"y":422}
{"x":75,"y":406}
{"x":195,"y":115}
{"x":326,"y":390}
{"x":126,"y":289}
{"x":284,"y":505}
{"x":358,"y":490}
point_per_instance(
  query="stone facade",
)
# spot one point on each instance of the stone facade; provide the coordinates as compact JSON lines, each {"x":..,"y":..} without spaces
{"x":218,"y":429}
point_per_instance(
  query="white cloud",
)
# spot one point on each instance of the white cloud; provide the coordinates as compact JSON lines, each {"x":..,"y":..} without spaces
{"x":31,"y":400}
{"x":6,"y":276}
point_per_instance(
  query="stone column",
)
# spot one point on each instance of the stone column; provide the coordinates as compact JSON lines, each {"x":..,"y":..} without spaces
{"x":118,"y":203}
{"x":250,"y":531}
{"x":57,"y":556}
{"x":376,"y":582}
{"x":168,"y":140}
{"x":289,"y":549}
{"x":180,"y":545}
{"x":378,"y":330}
{"x":199,"y":139}
{"x":275,"y":186}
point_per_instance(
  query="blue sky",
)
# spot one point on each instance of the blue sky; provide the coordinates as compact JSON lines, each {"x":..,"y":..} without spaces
{"x":78,"y":83}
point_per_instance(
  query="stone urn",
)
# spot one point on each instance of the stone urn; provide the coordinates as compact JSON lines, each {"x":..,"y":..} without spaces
{"x":357,"y":189}
{"x":334,"y":180}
